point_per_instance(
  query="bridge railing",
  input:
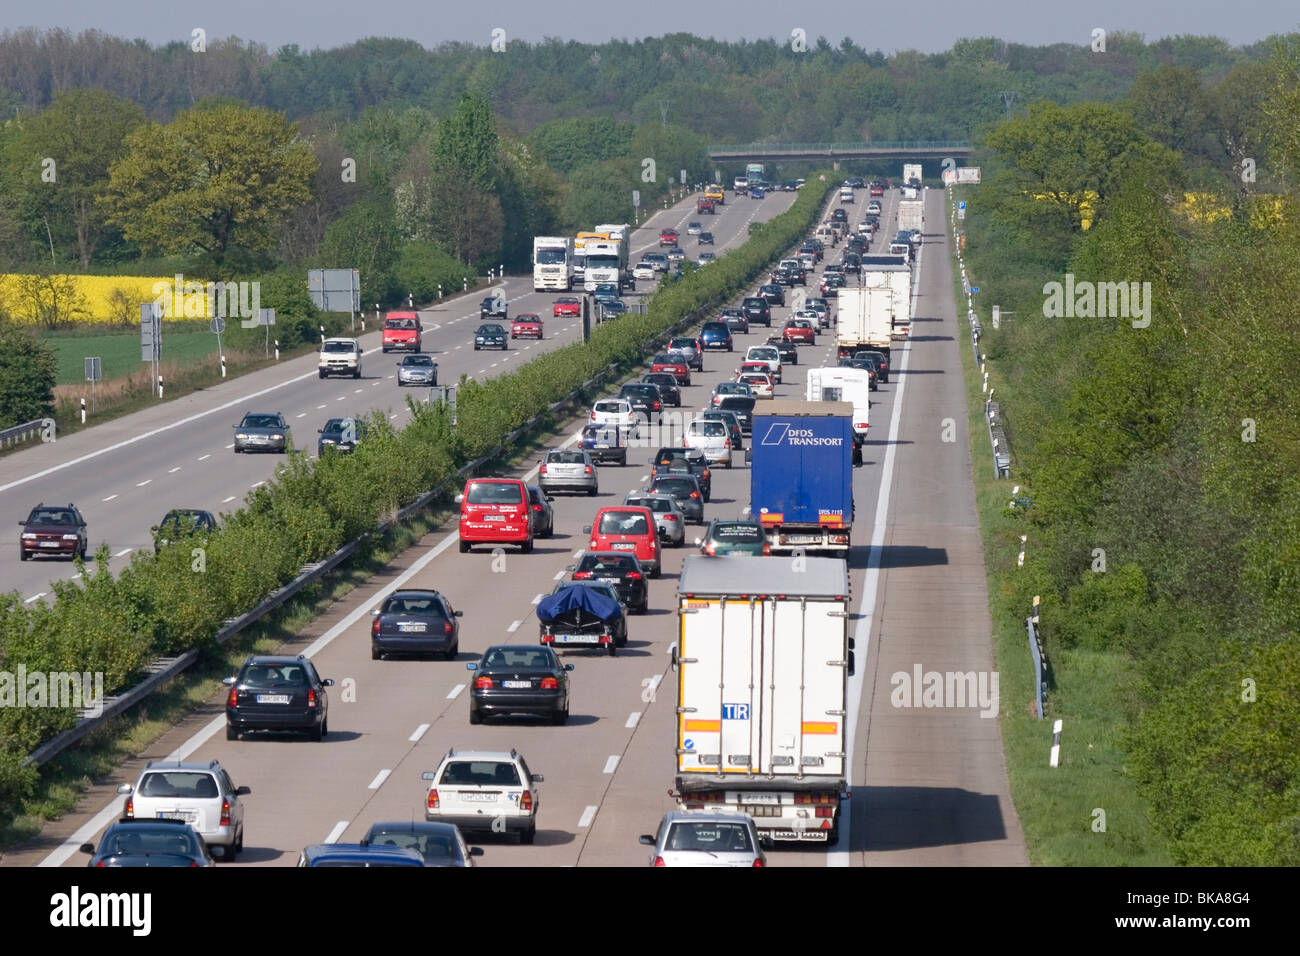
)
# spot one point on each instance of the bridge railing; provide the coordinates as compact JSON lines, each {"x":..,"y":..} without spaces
{"x":753,"y":148}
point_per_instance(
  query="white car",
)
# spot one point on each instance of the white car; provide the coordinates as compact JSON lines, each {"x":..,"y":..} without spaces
{"x":760,"y":383}
{"x":711,"y":437}
{"x":644,"y":270}
{"x":770,"y":356}
{"x":694,"y":229}
{"x":201,"y":794}
{"x":340,"y":357}
{"x":482,"y":790}
{"x":614,"y":411}
{"x":705,"y":838}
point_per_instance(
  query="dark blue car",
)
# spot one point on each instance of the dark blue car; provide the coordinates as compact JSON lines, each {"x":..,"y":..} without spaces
{"x":716,"y":335}
{"x":359,"y":854}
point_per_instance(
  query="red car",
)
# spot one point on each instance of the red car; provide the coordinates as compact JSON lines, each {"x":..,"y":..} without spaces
{"x":668,"y":362}
{"x":747,"y":367}
{"x":704,"y":205}
{"x":567,"y":305}
{"x":627,"y":529}
{"x":495,"y":511}
{"x":800,"y":331}
{"x":526,"y":324}
{"x":401,"y":331}
{"x":877,"y":189}
{"x":668,"y":237}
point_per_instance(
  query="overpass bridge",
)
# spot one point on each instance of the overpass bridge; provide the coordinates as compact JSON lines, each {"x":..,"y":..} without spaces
{"x":836,"y":152}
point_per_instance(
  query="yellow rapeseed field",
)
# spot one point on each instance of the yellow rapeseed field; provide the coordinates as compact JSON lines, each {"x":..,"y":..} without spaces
{"x":102,"y":299}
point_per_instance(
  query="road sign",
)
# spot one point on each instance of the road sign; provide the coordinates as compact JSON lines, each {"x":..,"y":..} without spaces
{"x":218,"y":324}
{"x":266,"y":316}
{"x":974,"y":288}
{"x":93,"y":370}
{"x":961,"y":213}
{"x":335,"y":290}
{"x":636,"y":199}
{"x":961,"y":204}
{"x":150,"y":331}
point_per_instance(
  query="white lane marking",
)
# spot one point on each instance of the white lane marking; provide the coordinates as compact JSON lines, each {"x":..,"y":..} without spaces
{"x":109,"y":498}
{"x":319,"y":407}
{"x":337,"y":832}
{"x":394,"y":415}
{"x":538,"y":599}
{"x":205,"y":457}
{"x":122,"y":552}
{"x":173,"y":471}
{"x":228,"y":447}
{"x":419,"y":732}
{"x":588,"y":815}
{"x":141,"y":484}
{"x":455,"y":691}
{"x":301,"y":415}
{"x":559,"y":576}
{"x":379,"y":779}
{"x":633,"y":719}
{"x":514,"y":626}
{"x":257,"y":484}
{"x":36,"y":597}
{"x":226,"y":501}
{"x":341,"y":398}
{"x":611,"y":764}
{"x":357,"y":391}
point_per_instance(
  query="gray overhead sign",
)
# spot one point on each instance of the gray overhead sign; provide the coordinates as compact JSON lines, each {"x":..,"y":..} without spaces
{"x":335,"y":290}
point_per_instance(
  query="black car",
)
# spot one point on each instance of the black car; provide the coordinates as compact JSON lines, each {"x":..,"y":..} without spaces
{"x":882,"y":363}
{"x":491,"y":336}
{"x":646,"y":400}
{"x":705,"y":239}
{"x":620,"y":569}
{"x":757,"y":311}
{"x":666,"y":382}
{"x":789,"y":351}
{"x":519,"y":679}
{"x":742,"y":406}
{"x":578,"y":622}
{"x":685,"y":489}
{"x":813,"y":246}
{"x":865,"y":364}
{"x":181,"y":523}
{"x":716,"y":335}
{"x":439,"y":843}
{"x":341,"y":435}
{"x":840,"y":215}
{"x":691,"y":460}
{"x":151,"y":842}
{"x":773,"y":293}
{"x":782,"y":275}
{"x":53,"y":529}
{"x":832,"y":282}
{"x":539,"y":503}
{"x":415,"y":622}
{"x":493,"y":307}
{"x":277,"y":693}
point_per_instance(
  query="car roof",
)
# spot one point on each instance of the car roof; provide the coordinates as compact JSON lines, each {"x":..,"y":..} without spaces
{"x":504,"y":755}
{"x":276,"y":658}
{"x":182,"y":765}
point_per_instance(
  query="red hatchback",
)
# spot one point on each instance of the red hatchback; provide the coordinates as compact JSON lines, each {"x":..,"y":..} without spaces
{"x":526,"y":324}
{"x":495,"y":511}
{"x":627,"y":529}
{"x":668,"y":237}
{"x":668,"y":362}
{"x":800,"y":330}
{"x":877,"y":189}
{"x":568,"y":305}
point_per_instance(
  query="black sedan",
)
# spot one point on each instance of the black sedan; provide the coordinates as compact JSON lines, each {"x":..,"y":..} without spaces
{"x":341,"y":435}
{"x":277,"y":693}
{"x":666,"y":382}
{"x":439,"y":843}
{"x":881,"y":360}
{"x":620,"y":569}
{"x":131,"y":842}
{"x":646,"y":399}
{"x":181,"y":523}
{"x":519,"y":679}
{"x":491,"y":336}
{"x":493,"y":307}
{"x":415,"y":622}
{"x":789,"y":351}
{"x":773,"y":293}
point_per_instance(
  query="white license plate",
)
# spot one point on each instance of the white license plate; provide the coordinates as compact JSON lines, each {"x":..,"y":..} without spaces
{"x":808,"y":836}
{"x":494,"y":517}
{"x":622,"y":546}
{"x":273,"y":698}
{"x":49,"y":544}
{"x":189,"y":816}
{"x":802,"y":538}
{"x":479,"y":797}
{"x":412,"y":628}
{"x":577,"y":638}
{"x":516,"y":684}
{"x":764,"y":798}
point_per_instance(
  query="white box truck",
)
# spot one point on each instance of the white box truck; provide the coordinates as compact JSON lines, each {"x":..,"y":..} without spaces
{"x":912,"y":174}
{"x":552,"y":263}
{"x":911,"y":214}
{"x":844,"y":384}
{"x":867,"y":314}
{"x":763,"y":659}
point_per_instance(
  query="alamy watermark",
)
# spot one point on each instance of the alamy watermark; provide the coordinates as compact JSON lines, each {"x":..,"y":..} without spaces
{"x":83,"y":691}
{"x":191,"y":299}
{"x":923,"y":688}
{"x":1100,"y":300}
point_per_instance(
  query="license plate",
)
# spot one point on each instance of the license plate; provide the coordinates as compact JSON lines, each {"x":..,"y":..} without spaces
{"x":412,"y":628}
{"x":812,"y":836}
{"x":494,"y":517}
{"x":802,"y":538}
{"x":577,"y":638}
{"x":623,"y":546}
{"x":760,"y":798}
{"x":516,"y":684}
{"x":479,"y":797}
{"x":49,"y":544}
{"x":188,"y":816}
{"x":273,"y":698}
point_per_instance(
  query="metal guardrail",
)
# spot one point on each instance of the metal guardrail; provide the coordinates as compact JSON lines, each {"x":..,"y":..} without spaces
{"x":21,"y":433}
{"x":1039,"y":655}
{"x":998,"y":440}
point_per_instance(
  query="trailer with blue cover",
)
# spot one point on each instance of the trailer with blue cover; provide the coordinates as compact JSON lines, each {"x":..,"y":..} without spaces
{"x":582,"y":615}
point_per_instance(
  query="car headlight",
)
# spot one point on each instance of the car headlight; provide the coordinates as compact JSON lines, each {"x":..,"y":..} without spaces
{"x":327,"y":441}
{"x":242,"y":437}
{"x":277,"y":437}
{"x":69,"y":537}
{"x":28,"y":535}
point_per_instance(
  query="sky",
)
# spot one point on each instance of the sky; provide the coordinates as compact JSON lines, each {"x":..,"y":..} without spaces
{"x":930,"y":27}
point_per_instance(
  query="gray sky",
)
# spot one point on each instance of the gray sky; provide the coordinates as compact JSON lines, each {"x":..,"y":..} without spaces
{"x":929,"y":25}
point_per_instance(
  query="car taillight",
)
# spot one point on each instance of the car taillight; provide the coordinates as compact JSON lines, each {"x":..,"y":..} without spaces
{"x":711,"y":549}
{"x":374,"y":630}
{"x":128,"y":810}
{"x":311,"y":697}
{"x":634,"y":575}
{"x":582,"y":575}
{"x":542,"y":469}
{"x":728,"y":445}
{"x":446,"y":627}
{"x":593,"y":416}
{"x":526,"y":800}
{"x":767,"y":549}
{"x":550,"y":683}
{"x":659,"y":861}
{"x":432,"y":801}
{"x":483,"y":683}
{"x":695,"y":494}
{"x":233,"y":699}
{"x":225,"y":812}
{"x":586,"y":469}
{"x":656,"y":408}
{"x":537,"y":507}
{"x":670,"y":517}
{"x":758,"y":861}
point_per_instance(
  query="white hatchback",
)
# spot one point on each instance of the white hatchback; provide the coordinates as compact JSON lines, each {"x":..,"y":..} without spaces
{"x":644,"y":270}
{"x":614,"y":411}
{"x":711,"y":437}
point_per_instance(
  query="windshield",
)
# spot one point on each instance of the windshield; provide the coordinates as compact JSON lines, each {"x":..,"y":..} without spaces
{"x":421,"y":360}
{"x":622,"y":522}
{"x":602,"y":262}
{"x":338,"y":347}
{"x":481,"y":772}
{"x":710,"y":837}
{"x":490,"y":330}
{"x":657,"y":505}
{"x":400,"y":324}
{"x":677,"y":487}
{"x":274,"y":675}
{"x":494,"y":493}
{"x":551,"y":257}
{"x":539,"y":659}
{"x":739,"y":533}
{"x":566,"y":458}
{"x":179,"y":785}
{"x":260,"y":421}
{"x":437,"y":848}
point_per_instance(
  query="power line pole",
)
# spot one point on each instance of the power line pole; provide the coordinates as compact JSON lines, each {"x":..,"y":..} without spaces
{"x":1008,"y":98}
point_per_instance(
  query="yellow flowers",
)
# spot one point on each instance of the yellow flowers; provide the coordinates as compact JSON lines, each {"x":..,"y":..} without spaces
{"x":93,"y":299}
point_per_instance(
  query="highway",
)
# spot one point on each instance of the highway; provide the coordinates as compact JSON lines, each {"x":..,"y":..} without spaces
{"x":126,"y":474}
{"x":929,"y":785}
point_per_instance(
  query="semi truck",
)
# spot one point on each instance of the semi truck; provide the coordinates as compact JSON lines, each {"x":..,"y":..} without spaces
{"x":868,"y":313}
{"x":552,"y":263}
{"x":844,"y":384}
{"x":754,"y":173}
{"x":912,"y":174}
{"x":763,"y":659}
{"x":801,"y":474}
{"x":911,"y":214}
{"x":606,"y":263}
{"x":580,"y":253}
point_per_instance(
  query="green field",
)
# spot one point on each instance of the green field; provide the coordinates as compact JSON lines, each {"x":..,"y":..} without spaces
{"x":119,"y":352}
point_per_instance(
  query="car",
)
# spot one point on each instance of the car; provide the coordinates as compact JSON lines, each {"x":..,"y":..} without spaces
{"x":757,"y":310}
{"x":493,"y":307}
{"x":707,"y":257}
{"x":689,"y":348}
{"x":658,"y":260}
{"x":832,"y":282}
{"x":341,"y":435}
{"x":439,"y":844}
{"x":736,"y":321}
{"x":713,"y":438}
{"x":495,"y":511}
{"x":813,"y":317}
{"x":781,"y":275}
{"x":646,"y":400}
{"x":851,"y":264}
{"x":566,"y":305}
{"x":262,"y":431}
{"x":526,"y":324}
{"x":716,"y":336}
{"x":768,"y":355}
{"x":705,"y":239}
{"x":741,"y":406}
{"x":691,"y":461}
{"x":917,"y":237}
{"x":773,"y":293}
{"x":877,"y":189}
{"x":821,"y":309}
{"x":882,"y":363}
{"x":794,"y":272}
{"x":179,"y":524}
{"x":626,"y":529}
{"x":52,"y":529}
{"x":706,"y":205}
{"x":733,"y":424}
{"x":581,"y":625}
{"x":340,"y":357}
{"x":619,"y":568}
{"x":149,"y":843}
{"x":727,"y":536}
{"x":760,"y":382}
{"x":874,"y":207}
{"x":700,"y":838}
{"x":490,"y":336}
{"x":604,"y":443}
{"x":676,"y":255}
{"x":612,"y":308}
{"x":694,"y":228}
{"x":644,"y":270}
{"x":788,"y":351}
{"x":722,"y":389}
{"x":668,"y":237}
{"x":568,"y":469}
{"x":607,"y":290}
{"x":521,"y":680}
{"x":414,"y":621}
{"x":357,"y":854}
{"x":809,"y":262}
{"x":867,"y":365}
{"x":839,"y":215}
{"x":799,"y":331}
{"x":488,"y":791}
{"x":277,"y":692}
{"x":685,"y":489}
{"x":614,"y":411}
{"x":670,"y":521}
{"x":543,"y":515}
{"x":200,"y":794}
{"x":417,"y":370}
{"x":402,"y":331}
{"x":757,"y":192}
{"x":666,"y":382}
{"x":673,"y":363}
{"x":747,"y":368}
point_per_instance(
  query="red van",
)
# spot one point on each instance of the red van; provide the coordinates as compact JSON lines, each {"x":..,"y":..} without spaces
{"x":630,"y":529}
{"x":402,"y":332}
{"x":495,"y":511}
